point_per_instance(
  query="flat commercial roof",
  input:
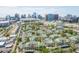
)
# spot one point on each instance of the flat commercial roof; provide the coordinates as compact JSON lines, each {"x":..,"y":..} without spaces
{"x":29,"y":19}
{"x":1,"y":22}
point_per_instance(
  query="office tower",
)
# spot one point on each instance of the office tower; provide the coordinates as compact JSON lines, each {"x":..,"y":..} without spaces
{"x":51,"y":17}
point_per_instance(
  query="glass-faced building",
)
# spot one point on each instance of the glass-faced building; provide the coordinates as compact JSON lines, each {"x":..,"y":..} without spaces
{"x":50,"y":17}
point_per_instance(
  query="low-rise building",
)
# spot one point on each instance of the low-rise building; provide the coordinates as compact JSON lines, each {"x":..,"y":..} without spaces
{"x":29,"y":19}
{"x":9,"y":45}
{"x":2,"y":44}
{"x":4,"y":23}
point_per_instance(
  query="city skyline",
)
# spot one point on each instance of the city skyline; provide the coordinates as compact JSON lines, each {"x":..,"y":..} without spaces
{"x":25,"y":30}
{"x":43,"y":10}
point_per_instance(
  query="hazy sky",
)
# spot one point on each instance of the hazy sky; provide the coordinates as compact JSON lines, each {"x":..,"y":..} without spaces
{"x":61,"y":10}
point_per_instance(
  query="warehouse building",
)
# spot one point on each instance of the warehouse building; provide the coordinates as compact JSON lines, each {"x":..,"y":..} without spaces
{"x":4,"y":23}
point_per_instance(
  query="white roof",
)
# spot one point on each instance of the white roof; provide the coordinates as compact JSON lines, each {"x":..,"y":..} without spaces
{"x":59,"y":22}
{"x":8,"y":45}
{"x":1,"y":22}
{"x":59,"y":40}
{"x":13,"y":35}
{"x":3,"y":38}
{"x":2,"y":43}
{"x":40,"y":31}
{"x":48,"y":40}
{"x":73,"y":38}
{"x":54,"y":35}
{"x":33,"y":37}
{"x":68,"y":34}
{"x":49,"y":31}
{"x":28,"y":19}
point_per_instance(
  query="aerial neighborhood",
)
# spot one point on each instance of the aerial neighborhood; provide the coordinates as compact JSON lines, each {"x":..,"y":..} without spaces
{"x":34,"y":33}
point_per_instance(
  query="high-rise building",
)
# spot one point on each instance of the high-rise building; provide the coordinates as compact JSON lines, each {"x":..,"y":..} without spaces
{"x":40,"y":17}
{"x":23,"y":16}
{"x":29,"y":16}
{"x":74,"y":19}
{"x":7,"y":17}
{"x":34,"y":15}
{"x":17,"y":17}
{"x":51,"y":17}
{"x":70,"y":18}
